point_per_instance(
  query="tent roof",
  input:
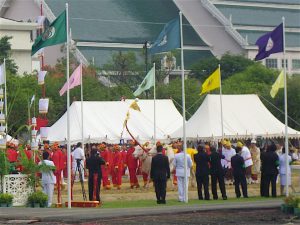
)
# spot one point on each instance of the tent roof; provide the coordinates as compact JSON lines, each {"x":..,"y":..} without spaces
{"x":103,"y":121}
{"x":244,"y":116}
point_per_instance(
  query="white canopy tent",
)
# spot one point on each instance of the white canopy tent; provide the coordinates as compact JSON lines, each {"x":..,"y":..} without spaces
{"x":244,"y":116}
{"x":103,"y":121}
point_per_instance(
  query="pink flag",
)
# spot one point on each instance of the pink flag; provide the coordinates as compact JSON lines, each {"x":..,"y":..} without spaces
{"x":74,"y":80}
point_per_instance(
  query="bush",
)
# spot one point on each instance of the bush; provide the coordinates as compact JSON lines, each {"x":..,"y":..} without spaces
{"x":37,"y":197}
{"x":292,"y":201}
{"x":6,"y":198}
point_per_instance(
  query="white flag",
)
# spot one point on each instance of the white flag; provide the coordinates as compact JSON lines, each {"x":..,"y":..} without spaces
{"x":2,"y":74}
{"x":32,"y":100}
{"x":41,"y":77}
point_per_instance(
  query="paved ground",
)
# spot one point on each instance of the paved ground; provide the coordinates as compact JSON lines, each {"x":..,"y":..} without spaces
{"x":149,"y":215}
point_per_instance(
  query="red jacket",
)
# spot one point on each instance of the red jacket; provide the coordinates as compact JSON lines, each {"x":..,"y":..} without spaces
{"x":130,"y":160}
{"x":58,"y":159}
{"x":117,"y":160}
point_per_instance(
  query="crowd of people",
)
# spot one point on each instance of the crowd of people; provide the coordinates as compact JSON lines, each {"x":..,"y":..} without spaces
{"x":237,"y":164}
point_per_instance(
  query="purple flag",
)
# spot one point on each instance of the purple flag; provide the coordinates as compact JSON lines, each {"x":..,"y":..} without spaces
{"x":270,"y":43}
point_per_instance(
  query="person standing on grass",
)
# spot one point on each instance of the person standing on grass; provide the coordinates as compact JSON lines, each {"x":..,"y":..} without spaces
{"x":160,"y":173}
{"x":284,"y":177}
{"x":179,"y":167}
{"x":201,"y":160}
{"x":239,"y":174}
{"x":48,"y":178}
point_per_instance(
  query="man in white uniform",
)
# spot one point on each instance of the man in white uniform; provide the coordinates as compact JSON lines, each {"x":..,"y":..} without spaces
{"x":78,"y":160}
{"x":245,"y":153}
{"x":228,"y":152}
{"x":179,"y":166}
{"x":48,"y":178}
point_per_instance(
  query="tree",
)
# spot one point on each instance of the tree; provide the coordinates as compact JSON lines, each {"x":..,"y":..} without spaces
{"x":5,"y":53}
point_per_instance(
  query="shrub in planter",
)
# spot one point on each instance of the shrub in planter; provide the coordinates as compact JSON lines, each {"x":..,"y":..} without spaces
{"x":37,"y":199}
{"x":291,"y":202}
{"x":6,"y":199}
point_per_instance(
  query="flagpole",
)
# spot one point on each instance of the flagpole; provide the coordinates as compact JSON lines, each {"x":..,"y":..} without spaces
{"x":154,"y":102}
{"x":5,"y":98}
{"x":221,"y":103}
{"x":68,"y":113}
{"x":81,"y":96}
{"x":183,"y":113}
{"x":285,"y":112}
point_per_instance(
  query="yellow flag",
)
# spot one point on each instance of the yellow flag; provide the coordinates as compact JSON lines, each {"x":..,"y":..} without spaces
{"x":135,"y":106}
{"x":212,"y":82}
{"x":279,"y":83}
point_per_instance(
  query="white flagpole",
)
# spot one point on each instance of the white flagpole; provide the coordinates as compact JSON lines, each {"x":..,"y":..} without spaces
{"x":183,"y":113}
{"x":221,"y":103}
{"x":81,"y":95}
{"x":5,"y":97}
{"x":68,"y":113}
{"x":154,"y":97}
{"x":285,"y":113}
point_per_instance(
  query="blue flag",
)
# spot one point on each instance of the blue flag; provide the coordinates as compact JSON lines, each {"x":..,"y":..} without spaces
{"x":270,"y":43}
{"x":168,"y":39}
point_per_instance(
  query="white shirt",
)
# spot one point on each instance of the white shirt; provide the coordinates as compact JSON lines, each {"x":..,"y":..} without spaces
{"x":179,"y":164}
{"x":78,"y":153}
{"x":228,"y":153}
{"x":245,"y":153}
{"x":282,"y":164}
{"x":48,"y":177}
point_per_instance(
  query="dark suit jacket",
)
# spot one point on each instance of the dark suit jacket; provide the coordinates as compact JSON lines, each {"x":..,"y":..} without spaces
{"x":160,"y":169}
{"x":269,"y":163}
{"x":93,"y":163}
{"x":238,"y":165}
{"x":201,"y":159}
{"x":215,"y":163}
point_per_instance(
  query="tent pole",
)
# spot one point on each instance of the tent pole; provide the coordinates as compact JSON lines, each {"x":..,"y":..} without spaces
{"x":154,"y":96}
{"x":221,"y":103}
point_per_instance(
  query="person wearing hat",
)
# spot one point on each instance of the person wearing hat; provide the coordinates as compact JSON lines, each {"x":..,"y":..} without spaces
{"x":117,"y":167}
{"x":160,"y":173}
{"x":245,"y":153}
{"x":202,"y":172}
{"x":239,"y":174}
{"x":132,"y":164}
{"x":269,"y":171}
{"x":255,"y":154}
{"x":105,"y":169}
{"x":93,"y":164}
{"x":179,"y":167}
{"x":217,"y":174}
{"x":228,"y":152}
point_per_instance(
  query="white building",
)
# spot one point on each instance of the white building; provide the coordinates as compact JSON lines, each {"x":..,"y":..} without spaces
{"x":21,"y":42}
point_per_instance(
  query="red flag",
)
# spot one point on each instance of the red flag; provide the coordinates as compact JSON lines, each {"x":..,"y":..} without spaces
{"x":74,"y":80}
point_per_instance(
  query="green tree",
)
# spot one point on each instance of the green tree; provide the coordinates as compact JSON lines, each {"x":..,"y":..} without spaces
{"x":5,"y":53}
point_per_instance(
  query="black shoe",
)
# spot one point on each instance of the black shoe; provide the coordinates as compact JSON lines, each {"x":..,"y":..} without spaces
{"x":200,"y":198}
{"x":215,"y":198}
{"x":246,"y":196}
{"x":163,"y":202}
{"x":207,"y":199}
{"x":225,"y":198}
{"x":238,"y":196}
{"x":158,"y":202}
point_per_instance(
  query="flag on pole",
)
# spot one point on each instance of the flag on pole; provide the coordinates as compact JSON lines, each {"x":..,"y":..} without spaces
{"x":168,"y":39}
{"x":212,"y":82}
{"x":32,"y":100}
{"x":279,"y":83}
{"x":134,"y":106}
{"x":41,"y":77}
{"x":147,"y":83}
{"x":270,"y":43}
{"x":55,"y":34}
{"x":2,"y":74}
{"x":74,"y":80}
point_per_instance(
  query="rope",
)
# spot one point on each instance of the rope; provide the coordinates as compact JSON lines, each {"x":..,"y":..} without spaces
{"x":181,"y":106}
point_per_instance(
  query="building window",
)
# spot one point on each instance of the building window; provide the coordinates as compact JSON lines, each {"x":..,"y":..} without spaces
{"x":286,"y":63}
{"x":271,"y":63}
{"x":296,"y":64}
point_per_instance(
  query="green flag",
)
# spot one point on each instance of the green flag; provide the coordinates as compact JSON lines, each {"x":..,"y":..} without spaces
{"x":147,"y":83}
{"x":55,"y":34}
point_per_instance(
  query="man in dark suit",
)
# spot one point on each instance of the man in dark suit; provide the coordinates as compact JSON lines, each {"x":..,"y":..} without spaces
{"x":202,"y":172}
{"x":160,"y":173}
{"x":270,"y":162}
{"x":239,"y":174}
{"x":93,"y":163}
{"x":217,"y":174}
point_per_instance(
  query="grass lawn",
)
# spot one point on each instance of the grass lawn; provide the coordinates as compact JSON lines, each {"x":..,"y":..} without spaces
{"x":150,"y":203}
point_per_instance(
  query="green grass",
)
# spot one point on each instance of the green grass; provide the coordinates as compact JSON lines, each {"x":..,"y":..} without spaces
{"x":173,"y":202}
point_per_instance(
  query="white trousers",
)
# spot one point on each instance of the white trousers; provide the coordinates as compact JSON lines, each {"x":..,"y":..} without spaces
{"x":48,"y":189}
{"x":180,"y":185}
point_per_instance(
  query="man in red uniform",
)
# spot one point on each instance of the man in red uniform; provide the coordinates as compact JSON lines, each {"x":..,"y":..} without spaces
{"x":58,"y":160}
{"x":132,"y":164}
{"x":117,"y":167}
{"x":105,"y":168}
